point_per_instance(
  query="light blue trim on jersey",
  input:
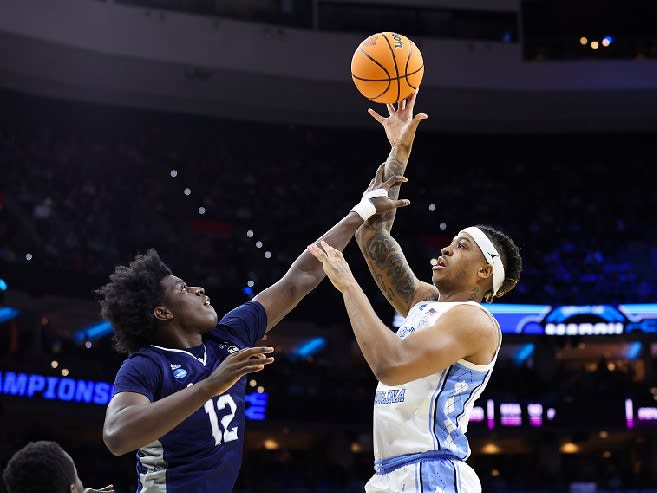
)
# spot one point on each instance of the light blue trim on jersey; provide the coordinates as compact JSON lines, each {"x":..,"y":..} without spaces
{"x":434,"y":402}
{"x":386,"y":466}
{"x":473,"y":396}
{"x":443,"y":475}
{"x":459,"y":445}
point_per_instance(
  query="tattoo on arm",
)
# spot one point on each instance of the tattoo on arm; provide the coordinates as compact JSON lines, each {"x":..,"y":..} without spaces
{"x":393,"y":167}
{"x":373,"y":223}
{"x":390,"y":268}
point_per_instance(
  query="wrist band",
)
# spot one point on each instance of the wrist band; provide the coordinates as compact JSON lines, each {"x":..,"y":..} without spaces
{"x":365,"y":208}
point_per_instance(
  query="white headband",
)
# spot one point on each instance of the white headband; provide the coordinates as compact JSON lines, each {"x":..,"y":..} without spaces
{"x":490,"y":253}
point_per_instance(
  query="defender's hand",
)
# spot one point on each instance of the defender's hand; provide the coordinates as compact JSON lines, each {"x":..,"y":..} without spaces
{"x":384,"y":204}
{"x":235,"y":366}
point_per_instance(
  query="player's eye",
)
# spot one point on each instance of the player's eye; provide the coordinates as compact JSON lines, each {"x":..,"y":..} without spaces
{"x":460,"y":245}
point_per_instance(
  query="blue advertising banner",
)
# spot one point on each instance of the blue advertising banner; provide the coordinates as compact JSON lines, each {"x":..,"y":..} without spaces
{"x":576,"y":320}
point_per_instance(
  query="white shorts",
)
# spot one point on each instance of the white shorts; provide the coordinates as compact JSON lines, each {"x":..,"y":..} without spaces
{"x":436,"y":476}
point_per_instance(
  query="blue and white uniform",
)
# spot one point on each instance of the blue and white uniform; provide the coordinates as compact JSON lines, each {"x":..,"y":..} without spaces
{"x":419,"y":427}
{"x":202,"y":454}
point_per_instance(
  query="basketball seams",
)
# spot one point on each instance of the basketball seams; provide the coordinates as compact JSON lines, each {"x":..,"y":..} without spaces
{"x":374,"y":98}
{"x":360,"y":49}
{"x":389,"y":78}
{"x":370,"y":81}
{"x":408,"y":60}
{"x":356,"y":78}
{"x":409,"y":84}
{"x":394,"y":59}
{"x":375,"y":61}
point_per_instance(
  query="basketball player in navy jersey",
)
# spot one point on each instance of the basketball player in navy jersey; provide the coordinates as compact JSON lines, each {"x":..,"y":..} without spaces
{"x":179,"y":395}
{"x":438,"y":363}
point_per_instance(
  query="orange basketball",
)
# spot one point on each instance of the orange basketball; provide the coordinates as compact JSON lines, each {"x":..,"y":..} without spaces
{"x":387,"y":67}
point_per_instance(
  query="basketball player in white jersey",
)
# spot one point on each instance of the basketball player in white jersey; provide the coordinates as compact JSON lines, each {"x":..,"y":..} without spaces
{"x":438,"y":363}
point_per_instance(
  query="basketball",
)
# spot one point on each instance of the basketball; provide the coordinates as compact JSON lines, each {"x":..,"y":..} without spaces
{"x":387,"y":67}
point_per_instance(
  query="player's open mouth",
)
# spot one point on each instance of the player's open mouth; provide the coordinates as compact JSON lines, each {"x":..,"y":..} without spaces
{"x":207,"y":302}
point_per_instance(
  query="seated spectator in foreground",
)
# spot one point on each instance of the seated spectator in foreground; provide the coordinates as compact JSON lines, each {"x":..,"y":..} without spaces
{"x":44,"y":466}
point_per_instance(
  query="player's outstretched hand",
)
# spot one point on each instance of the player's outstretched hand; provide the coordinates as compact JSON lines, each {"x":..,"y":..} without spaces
{"x":336,"y":267}
{"x":384,"y":204}
{"x":236,"y":365}
{"x":106,"y":489}
{"x":400,"y":125}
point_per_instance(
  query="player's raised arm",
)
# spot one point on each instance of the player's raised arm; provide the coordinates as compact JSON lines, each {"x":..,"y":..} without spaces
{"x":464,"y":331}
{"x":382,"y":253}
{"x":390,"y":269}
{"x":400,"y":127}
{"x":306,"y":272}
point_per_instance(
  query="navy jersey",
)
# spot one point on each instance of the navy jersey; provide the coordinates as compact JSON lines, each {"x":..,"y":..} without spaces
{"x":203,"y":453}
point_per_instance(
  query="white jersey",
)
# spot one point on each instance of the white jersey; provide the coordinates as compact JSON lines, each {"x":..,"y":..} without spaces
{"x":430,"y":413}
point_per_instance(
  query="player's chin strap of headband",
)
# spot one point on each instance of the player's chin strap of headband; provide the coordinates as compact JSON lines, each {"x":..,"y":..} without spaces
{"x":490,"y":253}
{"x":365,"y":208}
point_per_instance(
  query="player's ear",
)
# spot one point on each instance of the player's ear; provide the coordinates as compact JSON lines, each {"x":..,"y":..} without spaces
{"x":162,"y":313}
{"x":486,"y":271}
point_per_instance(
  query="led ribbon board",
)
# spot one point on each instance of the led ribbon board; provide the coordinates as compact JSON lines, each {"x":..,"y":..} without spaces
{"x":81,"y":391}
{"x":576,"y":320}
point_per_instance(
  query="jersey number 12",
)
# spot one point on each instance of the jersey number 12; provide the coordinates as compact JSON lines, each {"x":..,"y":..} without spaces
{"x":229,"y":434}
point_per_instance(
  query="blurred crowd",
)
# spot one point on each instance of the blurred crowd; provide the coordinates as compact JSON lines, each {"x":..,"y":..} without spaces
{"x":228,"y":202}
